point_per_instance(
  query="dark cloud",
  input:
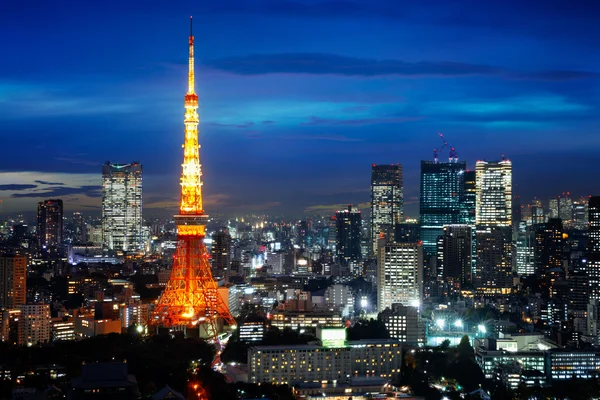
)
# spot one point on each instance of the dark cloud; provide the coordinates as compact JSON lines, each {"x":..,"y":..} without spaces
{"x":14,"y":186}
{"x":49,"y":183}
{"x":57,"y":191}
{"x":358,"y":122}
{"x":332,"y":64}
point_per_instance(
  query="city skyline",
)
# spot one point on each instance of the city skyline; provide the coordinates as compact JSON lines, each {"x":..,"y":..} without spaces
{"x":297,"y":97}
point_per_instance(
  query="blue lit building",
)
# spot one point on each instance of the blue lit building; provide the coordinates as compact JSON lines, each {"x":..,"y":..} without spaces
{"x":442,"y":200}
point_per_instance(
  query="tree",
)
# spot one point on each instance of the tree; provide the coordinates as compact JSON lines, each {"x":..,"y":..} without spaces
{"x":465,"y":350}
{"x":371,"y":329}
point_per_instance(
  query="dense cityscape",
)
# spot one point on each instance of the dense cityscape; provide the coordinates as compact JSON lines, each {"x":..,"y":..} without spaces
{"x":481,"y":294}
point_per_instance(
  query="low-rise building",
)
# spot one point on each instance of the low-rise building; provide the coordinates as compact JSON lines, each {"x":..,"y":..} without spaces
{"x":404,"y":323}
{"x":333,"y":361}
{"x":299,"y":320}
{"x":562,"y":364}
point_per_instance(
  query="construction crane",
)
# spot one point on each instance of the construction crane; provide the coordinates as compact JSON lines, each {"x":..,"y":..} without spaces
{"x":452,"y":154}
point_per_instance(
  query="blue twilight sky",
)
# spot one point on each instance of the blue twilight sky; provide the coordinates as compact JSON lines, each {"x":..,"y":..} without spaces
{"x":298,"y":98}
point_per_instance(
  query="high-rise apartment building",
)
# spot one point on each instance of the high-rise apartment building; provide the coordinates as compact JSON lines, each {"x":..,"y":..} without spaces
{"x":122,"y":207}
{"x":34,"y":324}
{"x":50,"y":226}
{"x":387,"y":201}
{"x":13,"y":277}
{"x":454,"y":255}
{"x":593,"y":256}
{"x":348,"y":231}
{"x":493,"y":203}
{"x":400,"y":275}
{"x":221,"y":254}
{"x":442,"y":200}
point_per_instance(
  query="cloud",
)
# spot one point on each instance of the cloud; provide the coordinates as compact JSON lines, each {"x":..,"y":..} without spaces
{"x":14,"y":186}
{"x":358,"y":122}
{"x":57,"y":191}
{"x":243,"y":125}
{"x":49,"y":183}
{"x":331,"y":137}
{"x":332,"y":64}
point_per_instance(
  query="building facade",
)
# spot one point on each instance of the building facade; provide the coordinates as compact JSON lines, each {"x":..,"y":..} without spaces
{"x":311,"y":363}
{"x":348,"y":235}
{"x":455,"y":254}
{"x":442,"y":200}
{"x":221,"y":254}
{"x":493,"y":202}
{"x":593,"y":251}
{"x":34,"y":324}
{"x":400,"y":274}
{"x":387,"y":201}
{"x":122,"y":207}
{"x":404,"y":324}
{"x":13,"y":280}
{"x":50,"y":227}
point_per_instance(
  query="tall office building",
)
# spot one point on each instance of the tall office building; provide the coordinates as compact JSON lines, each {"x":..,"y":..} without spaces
{"x":593,"y":256}
{"x":553,"y":208}
{"x":348,"y":235}
{"x":387,"y":201}
{"x":565,"y":209}
{"x":494,"y":260}
{"x":441,"y":202}
{"x":469,"y":199}
{"x":580,"y":214}
{"x":455,"y":253}
{"x":525,"y":250}
{"x":13,"y":277}
{"x":50,"y":226}
{"x":221,"y":254}
{"x":493,"y":218}
{"x":493,"y":203}
{"x":122,"y":207}
{"x":548,"y":251}
{"x":400,"y":275}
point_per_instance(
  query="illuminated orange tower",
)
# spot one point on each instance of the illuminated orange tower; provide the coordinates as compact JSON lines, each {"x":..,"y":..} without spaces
{"x":191,"y":298}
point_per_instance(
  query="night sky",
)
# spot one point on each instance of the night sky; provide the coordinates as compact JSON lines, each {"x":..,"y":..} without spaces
{"x":298,"y":99}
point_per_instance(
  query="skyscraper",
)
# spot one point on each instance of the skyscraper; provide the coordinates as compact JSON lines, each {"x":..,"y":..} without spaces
{"x":387,"y":201}
{"x":221,"y":254}
{"x":50,"y":226}
{"x":493,"y":201}
{"x":122,"y":207}
{"x":565,"y":209}
{"x":348,"y":231}
{"x":580,"y":214}
{"x":593,"y":256}
{"x":493,"y":269}
{"x":442,"y":192}
{"x":549,"y":250}
{"x":525,"y":250}
{"x":13,"y":276}
{"x":493,"y":218}
{"x":400,"y":275}
{"x":456,"y":252}
{"x":469,"y":199}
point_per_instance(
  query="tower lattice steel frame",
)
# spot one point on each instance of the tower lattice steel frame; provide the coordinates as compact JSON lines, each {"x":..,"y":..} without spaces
{"x":191,"y":298}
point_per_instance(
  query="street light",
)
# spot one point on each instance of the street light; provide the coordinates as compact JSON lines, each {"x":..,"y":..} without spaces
{"x":440,"y":323}
{"x":458,"y":323}
{"x":482,"y":328}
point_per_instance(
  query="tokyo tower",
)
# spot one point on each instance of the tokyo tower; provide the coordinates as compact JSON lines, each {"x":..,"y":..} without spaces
{"x":191,"y":298}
